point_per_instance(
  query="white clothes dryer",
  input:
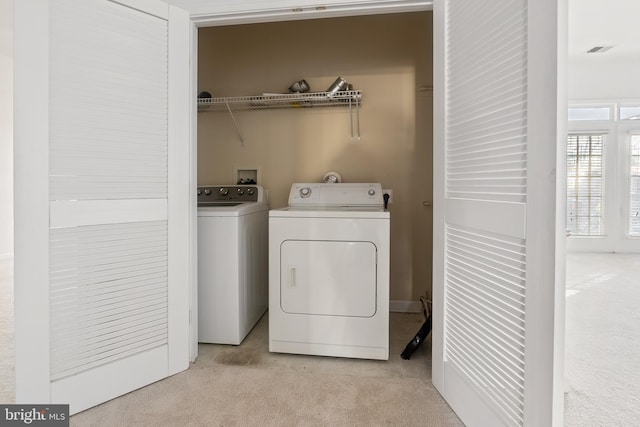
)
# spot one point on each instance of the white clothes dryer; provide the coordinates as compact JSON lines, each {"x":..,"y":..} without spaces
{"x":232,"y":261}
{"x":329,"y":272}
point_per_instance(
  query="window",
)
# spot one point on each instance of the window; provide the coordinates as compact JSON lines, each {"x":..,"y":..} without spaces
{"x":629,"y":113}
{"x":585,"y":184}
{"x":634,"y":196}
{"x":589,"y":113}
{"x":603,"y":177}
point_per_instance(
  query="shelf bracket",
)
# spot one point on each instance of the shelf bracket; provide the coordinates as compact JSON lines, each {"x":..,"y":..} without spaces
{"x":357,"y":107}
{"x":351,"y":118}
{"x":358,"y":115}
{"x":235,"y":123}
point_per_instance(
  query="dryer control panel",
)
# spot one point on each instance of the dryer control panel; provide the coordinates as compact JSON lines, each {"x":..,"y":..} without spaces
{"x":344,"y":195}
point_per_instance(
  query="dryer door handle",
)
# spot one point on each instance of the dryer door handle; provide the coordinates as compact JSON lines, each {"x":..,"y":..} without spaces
{"x":292,"y":277}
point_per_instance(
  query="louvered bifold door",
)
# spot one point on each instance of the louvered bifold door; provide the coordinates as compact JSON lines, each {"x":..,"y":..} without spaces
{"x":482,"y":250}
{"x":102,"y":184}
{"x":486,"y":162}
{"x":108,"y":192}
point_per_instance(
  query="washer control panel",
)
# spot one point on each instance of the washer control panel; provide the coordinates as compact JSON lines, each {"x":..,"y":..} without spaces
{"x":336,"y":195}
{"x":218,"y":194}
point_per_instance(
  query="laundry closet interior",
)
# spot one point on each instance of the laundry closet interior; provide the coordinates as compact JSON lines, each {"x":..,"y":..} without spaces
{"x":385,"y":139}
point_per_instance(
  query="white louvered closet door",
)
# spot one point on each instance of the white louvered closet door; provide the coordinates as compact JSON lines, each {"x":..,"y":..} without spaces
{"x":494,"y":258}
{"x":117,"y":296}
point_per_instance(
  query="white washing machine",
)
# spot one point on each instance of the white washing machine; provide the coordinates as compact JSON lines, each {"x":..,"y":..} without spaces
{"x":233,"y":254}
{"x":329,"y":272}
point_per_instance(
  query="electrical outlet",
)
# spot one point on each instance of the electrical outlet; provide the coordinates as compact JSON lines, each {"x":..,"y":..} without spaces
{"x":390,"y":193}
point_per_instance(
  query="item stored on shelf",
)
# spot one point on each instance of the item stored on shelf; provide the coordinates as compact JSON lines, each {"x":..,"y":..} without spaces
{"x":336,"y":86}
{"x":300,"y":86}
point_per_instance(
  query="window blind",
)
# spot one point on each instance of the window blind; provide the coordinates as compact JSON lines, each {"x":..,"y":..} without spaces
{"x":585,"y":185}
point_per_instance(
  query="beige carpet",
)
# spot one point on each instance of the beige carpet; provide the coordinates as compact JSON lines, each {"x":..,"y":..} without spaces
{"x":7,"y":356}
{"x":603,"y":340}
{"x":247,"y":385}
{"x":250,"y":396}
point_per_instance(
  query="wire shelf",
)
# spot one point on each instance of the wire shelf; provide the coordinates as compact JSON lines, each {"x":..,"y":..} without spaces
{"x":347,"y":98}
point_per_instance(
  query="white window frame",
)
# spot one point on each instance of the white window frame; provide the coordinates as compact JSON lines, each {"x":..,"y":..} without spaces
{"x":629,"y":214}
{"x":616,"y":180}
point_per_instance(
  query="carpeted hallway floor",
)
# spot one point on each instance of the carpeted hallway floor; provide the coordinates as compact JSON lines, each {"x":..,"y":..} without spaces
{"x":7,"y":377}
{"x":247,"y":385}
{"x":602,"y":345}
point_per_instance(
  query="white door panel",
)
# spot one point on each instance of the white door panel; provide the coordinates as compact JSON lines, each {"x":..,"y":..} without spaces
{"x":502,"y":218}
{"x":102,"y":181}
{"x":496,"y":354}
{"x":71,"y":213}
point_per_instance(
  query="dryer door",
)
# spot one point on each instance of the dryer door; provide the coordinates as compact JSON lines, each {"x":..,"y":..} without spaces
{"x":332,"y":278}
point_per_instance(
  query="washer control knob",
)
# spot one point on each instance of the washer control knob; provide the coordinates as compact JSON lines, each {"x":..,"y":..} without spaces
{"x":305,"y":191}
{"x":199,"y":191}
{"x":251,"y":191}
{"x":223,"y":191}
{"x":372,"y":192}
{"x":240,"y":191}
{"x":207,"y":191}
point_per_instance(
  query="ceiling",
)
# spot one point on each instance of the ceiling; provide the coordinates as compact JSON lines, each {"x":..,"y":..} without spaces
{"x":604,"y":23}
{"x":591,"y":23}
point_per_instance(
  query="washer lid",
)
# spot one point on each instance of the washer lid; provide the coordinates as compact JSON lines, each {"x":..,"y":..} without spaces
{"x":236,"y":209}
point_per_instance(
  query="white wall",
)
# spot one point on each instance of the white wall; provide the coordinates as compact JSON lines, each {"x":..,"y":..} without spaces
{"x":6,"y":128}
{"x":389,"y":58}
{"x":601,"y":79}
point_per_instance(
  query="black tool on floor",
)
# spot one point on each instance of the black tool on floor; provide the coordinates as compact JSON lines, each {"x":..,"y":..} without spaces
{"x":422,"y":333}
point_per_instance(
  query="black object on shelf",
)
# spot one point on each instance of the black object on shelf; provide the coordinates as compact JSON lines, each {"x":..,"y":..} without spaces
{"x":419,"y":337}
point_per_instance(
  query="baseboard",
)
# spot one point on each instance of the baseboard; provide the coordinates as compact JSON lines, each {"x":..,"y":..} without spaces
{"x":405,"y":306}
{"x":6,"y":257}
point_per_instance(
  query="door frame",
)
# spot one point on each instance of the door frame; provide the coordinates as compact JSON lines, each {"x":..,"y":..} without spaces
{"x":219,"y":15}
{"x":543,"y":178}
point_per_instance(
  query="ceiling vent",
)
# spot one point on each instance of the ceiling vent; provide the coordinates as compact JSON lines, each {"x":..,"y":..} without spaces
{"x":599,"y":49}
